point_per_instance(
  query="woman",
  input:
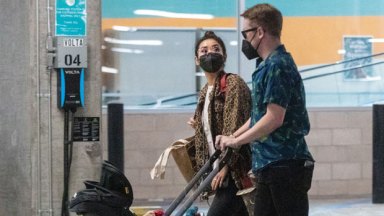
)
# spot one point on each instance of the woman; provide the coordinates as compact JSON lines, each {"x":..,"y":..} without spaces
{"x":221,"y":111}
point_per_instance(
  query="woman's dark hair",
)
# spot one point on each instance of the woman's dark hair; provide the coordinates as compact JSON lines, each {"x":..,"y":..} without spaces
{"x":211,"y":35}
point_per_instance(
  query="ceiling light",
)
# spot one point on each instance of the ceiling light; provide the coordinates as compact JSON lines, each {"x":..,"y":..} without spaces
{"x":233,"y":43}
{"x":376,"y":40}
{"x":109,"y":70}
{"x":341,"y":51}
{"x":172,"y":14}
{"x":125,"y":50}
{"x":134,"y":42}
{"x":123,"y":28}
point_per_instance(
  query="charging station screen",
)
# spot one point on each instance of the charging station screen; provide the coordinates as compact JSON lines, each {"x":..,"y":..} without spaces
{"x":72,"y":78}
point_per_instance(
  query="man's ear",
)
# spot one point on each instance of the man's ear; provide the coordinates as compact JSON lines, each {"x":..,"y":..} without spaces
{"x":260,"y":31}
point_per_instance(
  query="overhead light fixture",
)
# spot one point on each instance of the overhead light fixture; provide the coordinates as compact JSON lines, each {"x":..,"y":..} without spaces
{"x":105,"y":69}
{"x":123,"y":28}
{"x":376,"y":40}
{"x":125,"y":50}
{"x":134,"y":42}
{"x":341,"y":51}
{"x":172,"y":14}
{"x":233,"y":43}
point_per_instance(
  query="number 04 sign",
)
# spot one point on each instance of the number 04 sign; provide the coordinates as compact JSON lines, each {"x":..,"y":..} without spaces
{"x":71,"y":52}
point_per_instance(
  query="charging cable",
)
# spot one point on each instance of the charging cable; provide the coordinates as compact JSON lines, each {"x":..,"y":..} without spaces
{"x":68,"y":149}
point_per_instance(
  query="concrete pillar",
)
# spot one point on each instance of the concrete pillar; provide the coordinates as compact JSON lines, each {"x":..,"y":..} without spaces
{"x":31,"y":129}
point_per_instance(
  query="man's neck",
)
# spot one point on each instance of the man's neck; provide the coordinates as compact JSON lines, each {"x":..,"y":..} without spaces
{"x":270,"y":45}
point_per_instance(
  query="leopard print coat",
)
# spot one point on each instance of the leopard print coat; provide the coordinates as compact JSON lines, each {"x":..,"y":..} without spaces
{"x":227,"y":112}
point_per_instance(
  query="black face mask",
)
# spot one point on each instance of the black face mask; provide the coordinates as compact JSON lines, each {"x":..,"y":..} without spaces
{"x":249,"y":51}
{"x":211,"y":62}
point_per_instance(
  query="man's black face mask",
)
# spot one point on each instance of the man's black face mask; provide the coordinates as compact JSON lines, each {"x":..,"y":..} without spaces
{"x":248,"y":50}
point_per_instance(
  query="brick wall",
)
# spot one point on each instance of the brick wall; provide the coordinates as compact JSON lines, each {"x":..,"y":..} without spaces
{"x":340,"y":141}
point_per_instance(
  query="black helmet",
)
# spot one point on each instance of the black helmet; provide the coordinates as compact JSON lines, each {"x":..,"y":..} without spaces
{"x":113,"y":179}
{"x":112,"y":196}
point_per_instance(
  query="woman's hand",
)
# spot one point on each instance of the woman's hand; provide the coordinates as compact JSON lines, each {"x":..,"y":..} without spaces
{"x":192,"y":122}
{"x":150,"y":213}
{"x":158,"y":212}
{"x":217,"y":182}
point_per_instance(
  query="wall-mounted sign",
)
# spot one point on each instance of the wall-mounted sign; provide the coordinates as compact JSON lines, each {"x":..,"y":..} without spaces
{"x":71,"y":18}
{"x":71,"y":52}
{"x":86,"y":129}
{"x":358,"y":51}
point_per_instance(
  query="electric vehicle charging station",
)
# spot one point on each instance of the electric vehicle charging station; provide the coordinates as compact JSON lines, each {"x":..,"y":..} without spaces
{"x":71,"y":64}
{"x":70,"y":47}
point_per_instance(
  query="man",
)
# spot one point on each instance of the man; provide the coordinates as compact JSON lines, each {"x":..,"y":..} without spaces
{"x":279,"y":121}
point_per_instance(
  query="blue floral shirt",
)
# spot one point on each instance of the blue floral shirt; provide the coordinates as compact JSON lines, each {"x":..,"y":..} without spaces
{"x":277,"y":80}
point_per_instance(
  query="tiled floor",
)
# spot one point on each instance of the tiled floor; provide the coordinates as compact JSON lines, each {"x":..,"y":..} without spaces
{"x":350,"y":207}
{"x":318,"y":207}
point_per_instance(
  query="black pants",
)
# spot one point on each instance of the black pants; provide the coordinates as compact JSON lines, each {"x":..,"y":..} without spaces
{"x":281,"y":189}
{"x":226,"y":203}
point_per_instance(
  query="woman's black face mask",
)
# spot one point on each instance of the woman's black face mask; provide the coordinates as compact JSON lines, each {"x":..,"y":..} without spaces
{"x":211,"y":62}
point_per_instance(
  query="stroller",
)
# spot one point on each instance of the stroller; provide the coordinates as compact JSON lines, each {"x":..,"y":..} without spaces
{"x":112,"y":196}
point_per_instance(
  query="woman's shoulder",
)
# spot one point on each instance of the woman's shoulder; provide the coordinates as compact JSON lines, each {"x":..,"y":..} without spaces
{"x":235,"y":79}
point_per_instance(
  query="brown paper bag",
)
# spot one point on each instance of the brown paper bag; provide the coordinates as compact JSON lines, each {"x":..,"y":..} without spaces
{"x":183,"y":152}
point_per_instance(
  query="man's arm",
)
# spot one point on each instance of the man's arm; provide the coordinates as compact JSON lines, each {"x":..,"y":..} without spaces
{"x":242,"y":129}
{"x":272,"y":120}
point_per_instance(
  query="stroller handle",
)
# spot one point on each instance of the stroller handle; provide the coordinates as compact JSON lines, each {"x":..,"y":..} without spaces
{"x":224,"y":160}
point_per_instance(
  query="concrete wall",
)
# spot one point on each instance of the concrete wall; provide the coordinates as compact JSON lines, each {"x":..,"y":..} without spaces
{"x":31,"y":126}
{"x":340,"y":141}
{"x":15,"y":97}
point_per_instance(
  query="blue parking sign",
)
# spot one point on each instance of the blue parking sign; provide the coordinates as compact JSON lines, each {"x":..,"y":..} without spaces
{"x":71,"y":18}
